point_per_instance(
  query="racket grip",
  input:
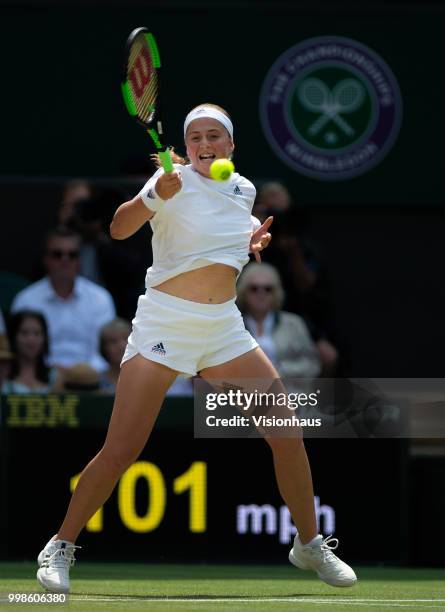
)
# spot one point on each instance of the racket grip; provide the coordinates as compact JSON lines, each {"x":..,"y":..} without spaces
{"x":166,"y":160}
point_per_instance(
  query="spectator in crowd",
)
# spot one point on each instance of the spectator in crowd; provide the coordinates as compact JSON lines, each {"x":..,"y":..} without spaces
{"x":283,"y":336}
{"x":80,"y":378}
{"x":5,"y":353}
{"x":299,"y":260}
{"x":5,"y":358}
{"x":74,"y":191}
{"x":291,"y":246}
{"x":113,"y":341}
{"x":29,"y":341}
{"x":75,"y":308}
{"x":90,"y":217}
{"x":117,"y":266}
{"x":272,"y":195}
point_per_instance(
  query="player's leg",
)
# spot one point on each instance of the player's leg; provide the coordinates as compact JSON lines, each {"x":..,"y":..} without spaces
{"x":294,"y":478}
{"x":291,"y":465}
{"x":139,"y":395}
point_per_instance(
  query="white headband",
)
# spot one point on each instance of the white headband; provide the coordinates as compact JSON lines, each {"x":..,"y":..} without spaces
{"x":213,"y":113}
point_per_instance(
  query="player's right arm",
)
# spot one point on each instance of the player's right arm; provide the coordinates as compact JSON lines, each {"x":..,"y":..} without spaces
{"x":168,"y":185}
{"x":132,"y":215}
{"x":128,"y":218}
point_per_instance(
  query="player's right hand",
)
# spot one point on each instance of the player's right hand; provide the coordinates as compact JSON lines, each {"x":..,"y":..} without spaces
{"x":168,"y":185}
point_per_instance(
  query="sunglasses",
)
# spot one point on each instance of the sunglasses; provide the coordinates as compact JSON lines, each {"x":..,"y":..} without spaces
{"x":258,"y":288}
{"x":59,"y":254}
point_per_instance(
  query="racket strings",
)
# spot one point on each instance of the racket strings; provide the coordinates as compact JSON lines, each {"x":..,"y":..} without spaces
{"x":346,"y":97}
{"x":142,"y":79}
{"x":349,"y":95}
{"x":315,"y":96}
{"x":146,"y":104}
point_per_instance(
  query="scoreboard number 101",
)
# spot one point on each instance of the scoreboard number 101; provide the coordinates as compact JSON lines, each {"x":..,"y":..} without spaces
{"x":193,"y":481}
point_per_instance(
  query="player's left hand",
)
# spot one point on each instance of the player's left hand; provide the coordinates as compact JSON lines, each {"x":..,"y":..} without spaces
{"x":260,"y":239}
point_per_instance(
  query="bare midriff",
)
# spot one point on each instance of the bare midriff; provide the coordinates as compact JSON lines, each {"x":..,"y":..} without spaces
{"x":212,"y":284}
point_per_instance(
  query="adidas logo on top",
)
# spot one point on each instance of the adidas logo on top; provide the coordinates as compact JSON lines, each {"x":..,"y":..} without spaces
{"x":159,"y":348}
{"x":237,"y":190}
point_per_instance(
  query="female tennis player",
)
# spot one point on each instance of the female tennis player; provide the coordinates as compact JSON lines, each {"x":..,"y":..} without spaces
{"x":202,"y":234}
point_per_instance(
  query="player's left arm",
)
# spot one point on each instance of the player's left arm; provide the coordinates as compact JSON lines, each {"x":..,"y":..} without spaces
{"x":260,"y":238}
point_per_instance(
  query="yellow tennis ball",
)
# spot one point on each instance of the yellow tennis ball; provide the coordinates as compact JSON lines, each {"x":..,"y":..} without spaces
{"x":221,"y":169}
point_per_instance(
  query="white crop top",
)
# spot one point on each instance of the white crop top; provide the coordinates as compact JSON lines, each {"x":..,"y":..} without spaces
{"x":206,"y":222}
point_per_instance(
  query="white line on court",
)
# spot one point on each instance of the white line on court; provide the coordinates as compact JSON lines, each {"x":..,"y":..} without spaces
{"x":390,"y":603}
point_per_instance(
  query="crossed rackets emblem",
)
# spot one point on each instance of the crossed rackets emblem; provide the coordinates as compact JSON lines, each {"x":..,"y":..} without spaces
{"x":346,"y":97}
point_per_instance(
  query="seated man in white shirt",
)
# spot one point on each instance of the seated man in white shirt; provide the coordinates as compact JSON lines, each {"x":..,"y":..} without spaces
{"x":74,"y":307}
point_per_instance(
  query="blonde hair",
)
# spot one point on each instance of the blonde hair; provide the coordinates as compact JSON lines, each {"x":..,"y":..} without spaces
{"x":245,"y":280}
{"x":116,"y":325}
{"x":178,"y":159}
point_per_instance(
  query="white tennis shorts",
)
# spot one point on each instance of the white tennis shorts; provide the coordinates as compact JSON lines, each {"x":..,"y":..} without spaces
{"x":187,"y":336}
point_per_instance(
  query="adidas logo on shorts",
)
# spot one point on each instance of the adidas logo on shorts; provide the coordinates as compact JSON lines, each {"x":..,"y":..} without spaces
{"x":159,"y":348}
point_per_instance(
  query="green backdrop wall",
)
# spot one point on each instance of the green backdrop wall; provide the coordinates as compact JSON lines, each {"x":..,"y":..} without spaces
{"x":63,"y":115}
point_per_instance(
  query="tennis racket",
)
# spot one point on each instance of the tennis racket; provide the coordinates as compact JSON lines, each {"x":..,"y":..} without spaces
{"x":140,"y":88}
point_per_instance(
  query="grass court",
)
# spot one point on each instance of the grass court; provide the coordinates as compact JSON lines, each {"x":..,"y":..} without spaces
{"x":229,"y":588}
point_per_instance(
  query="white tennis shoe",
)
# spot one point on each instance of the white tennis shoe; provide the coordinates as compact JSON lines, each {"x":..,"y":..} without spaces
{"x":55,"y":561}
{"x":50,"y":547}
{"x":318,"y":556}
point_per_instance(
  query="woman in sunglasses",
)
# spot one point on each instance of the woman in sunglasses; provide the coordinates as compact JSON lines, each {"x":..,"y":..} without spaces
{"x":283,"y":336}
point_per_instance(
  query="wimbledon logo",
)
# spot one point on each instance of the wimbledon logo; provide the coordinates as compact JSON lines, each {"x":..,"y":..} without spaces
{"x":330,"y":108}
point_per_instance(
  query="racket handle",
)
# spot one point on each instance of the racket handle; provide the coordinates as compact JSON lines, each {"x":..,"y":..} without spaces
{"x":166,"y":160}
